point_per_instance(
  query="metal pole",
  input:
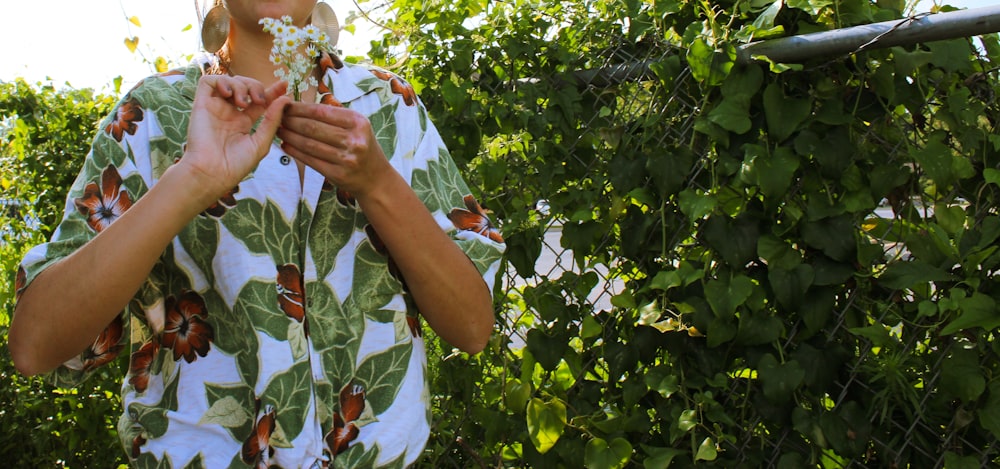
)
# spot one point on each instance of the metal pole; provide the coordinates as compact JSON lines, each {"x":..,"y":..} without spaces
{"x":918,"y":28}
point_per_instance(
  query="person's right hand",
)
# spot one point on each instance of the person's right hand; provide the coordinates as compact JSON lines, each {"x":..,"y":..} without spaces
{"x":222,"y":146}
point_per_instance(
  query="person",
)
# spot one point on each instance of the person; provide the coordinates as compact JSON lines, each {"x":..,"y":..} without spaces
{"x":264,"y":262}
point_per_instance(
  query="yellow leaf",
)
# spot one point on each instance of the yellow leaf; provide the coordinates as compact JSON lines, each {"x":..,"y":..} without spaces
{"x":161,"y":65}
{"x":132,"y":43}
{"x":135,"y":20}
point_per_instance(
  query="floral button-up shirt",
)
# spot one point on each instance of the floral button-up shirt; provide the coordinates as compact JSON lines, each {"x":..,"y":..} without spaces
{"x":275,"y":328}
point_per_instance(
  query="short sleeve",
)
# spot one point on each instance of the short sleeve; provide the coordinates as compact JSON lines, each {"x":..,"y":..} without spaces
{"x":440,"y":184}
{"x":107,"y":185}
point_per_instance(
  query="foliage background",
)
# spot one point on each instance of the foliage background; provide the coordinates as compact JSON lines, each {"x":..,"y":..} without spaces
{"x":789,"y":265}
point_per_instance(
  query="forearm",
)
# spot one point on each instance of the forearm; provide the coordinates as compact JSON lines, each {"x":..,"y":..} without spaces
{"x":445,"y":284}
{"x":72,"y":301}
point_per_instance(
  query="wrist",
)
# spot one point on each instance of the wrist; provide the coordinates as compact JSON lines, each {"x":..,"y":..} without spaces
{"x":193,"y":189}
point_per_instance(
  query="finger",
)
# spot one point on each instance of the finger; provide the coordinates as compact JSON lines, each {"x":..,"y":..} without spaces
{"x":265,"y":132}
{"x":313,"y":162}
{"x":315,"y":130}
{"x":209,"y":85}
{"x":299,"y":144}
{"x":277,"y":89}
{"x":240,"y":93}
{"x":255,"y":91}
{"x":337,"y":116}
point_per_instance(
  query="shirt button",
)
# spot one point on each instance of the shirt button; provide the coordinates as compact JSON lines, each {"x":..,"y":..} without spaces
{"x":285,"y":160}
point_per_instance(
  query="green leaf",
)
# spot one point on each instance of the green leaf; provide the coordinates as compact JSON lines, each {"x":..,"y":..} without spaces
{"x":813,"y":7}
{"x":695,"y":204}
{"x":669,"y":169}
{"x":546,"y":423}
{"x":992,"y":176}
{"x":904,"y":275}
{"x":956,"y":461}
{"x":708,"y":64}
{"x":939,"y":162}
{"x":784,"y":114}
{"x":659,"y":458}
{"x":962,"y":375}
{"x":725,"y":295}
{"x":951,"y":218}
{"x":779,"y":380}
{"x":523,"y":249}
{"x":663,"y":380}
{"x":517,"y":395}
{"x":835,"y":236}
{"x":688,"y":420}
{"x":707,"y":450}
{"x":732,"y":114}
{"x":590,"y":328}
{"x":876,"y":333}
{"x":989,"y":413}
{"x":758,"y":328}
{"x":777,"y":253}
{"x":790,"y":286}
{"x":978,"y":310}
{"x":765,"y":20}
{"x":601,"y":455}
{"x":772,"y":170}
{"x":547,"y":348}
{"x":734,"y":239}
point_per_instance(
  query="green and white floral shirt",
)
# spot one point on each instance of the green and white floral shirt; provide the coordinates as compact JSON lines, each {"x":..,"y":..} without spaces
{"x":274,"y":330}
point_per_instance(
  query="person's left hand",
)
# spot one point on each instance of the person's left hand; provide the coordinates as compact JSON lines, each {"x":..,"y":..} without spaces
{"x":338,"y":143}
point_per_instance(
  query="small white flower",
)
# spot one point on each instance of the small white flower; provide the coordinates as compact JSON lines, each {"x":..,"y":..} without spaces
{"x":293,"y":50}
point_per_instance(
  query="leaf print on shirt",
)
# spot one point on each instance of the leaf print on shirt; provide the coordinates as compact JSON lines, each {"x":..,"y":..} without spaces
{"x":384,"y":125}
{"x":140,"y":364}
{"x":106,"y":347}
{"x":344,"y":431}
{"x":263,"y":228}
{"x":128,"y":114}
{"x":474,"y":218}
{"x":103,"y":204}
{"x":186,"y":332}
{"x":257,"y":449}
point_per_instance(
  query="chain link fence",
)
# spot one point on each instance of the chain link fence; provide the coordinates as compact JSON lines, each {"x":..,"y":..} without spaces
{"x":625,"y":84}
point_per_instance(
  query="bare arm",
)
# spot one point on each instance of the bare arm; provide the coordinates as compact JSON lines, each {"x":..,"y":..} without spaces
{"x":447,"y":287}
{"x":71,"y":302}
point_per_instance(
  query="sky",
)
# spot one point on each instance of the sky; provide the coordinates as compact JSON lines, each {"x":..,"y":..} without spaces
{"x":81,"y":43}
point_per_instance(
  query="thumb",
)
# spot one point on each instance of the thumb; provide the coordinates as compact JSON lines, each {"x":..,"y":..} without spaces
{"x":265,"y":132}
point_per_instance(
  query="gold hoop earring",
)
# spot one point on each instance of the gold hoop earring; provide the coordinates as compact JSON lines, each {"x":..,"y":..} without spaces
{"x":215,"y":28}
{"x":325,"y":19}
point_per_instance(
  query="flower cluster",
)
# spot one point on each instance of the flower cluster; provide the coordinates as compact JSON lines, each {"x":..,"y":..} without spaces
{"x":293,"y":51}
